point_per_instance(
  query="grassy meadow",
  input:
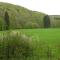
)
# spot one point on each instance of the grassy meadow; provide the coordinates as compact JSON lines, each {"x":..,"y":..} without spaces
{"x":41,"y":44}
{"x":46,"y":43}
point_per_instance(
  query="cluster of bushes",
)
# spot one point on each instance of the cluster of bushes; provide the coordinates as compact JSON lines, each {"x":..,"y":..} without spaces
{"x":15,"y":46}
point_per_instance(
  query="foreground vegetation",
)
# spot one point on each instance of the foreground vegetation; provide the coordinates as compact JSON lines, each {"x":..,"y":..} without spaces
{"x":46,"y":43}
{"x":30,"y":44}
{"x":15,"y":46}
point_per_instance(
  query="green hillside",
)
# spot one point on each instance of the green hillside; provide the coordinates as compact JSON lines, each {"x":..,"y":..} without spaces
{"x":19,"y":17}
{"x":55,"y":21}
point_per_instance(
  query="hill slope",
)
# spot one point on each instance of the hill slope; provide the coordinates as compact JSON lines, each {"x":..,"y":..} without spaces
{"x":55,"y":21}
{"x":19,"y":17}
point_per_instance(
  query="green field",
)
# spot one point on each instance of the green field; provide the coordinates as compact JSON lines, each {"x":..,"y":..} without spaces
{"x":45,"y":42}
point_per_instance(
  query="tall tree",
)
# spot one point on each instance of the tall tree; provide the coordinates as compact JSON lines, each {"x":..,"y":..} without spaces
{"x":46,"y":21}
{"x":6,"y":18}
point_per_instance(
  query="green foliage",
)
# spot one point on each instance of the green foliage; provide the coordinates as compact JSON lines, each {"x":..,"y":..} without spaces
{"x":20,"y":17}
{"x":55,"y":21}
{"x":14,"y":45}
{"x":29,"y":44}
{"x":2,"y":25}
{"x":46,"y":21}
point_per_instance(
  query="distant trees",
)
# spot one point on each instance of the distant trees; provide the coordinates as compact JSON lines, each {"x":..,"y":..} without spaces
{"x":6,"y":18}
{"x":46,"y":21}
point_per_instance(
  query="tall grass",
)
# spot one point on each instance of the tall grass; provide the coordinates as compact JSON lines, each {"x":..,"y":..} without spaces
{"x":15,"y":46}
{"x":30,"y":44}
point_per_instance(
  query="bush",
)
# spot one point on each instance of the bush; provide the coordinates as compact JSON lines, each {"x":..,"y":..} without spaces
{"x":31,"y":25}
{"x":15,"y":46}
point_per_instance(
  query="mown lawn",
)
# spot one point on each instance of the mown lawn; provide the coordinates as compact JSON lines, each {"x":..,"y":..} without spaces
{"x":45,"y":42}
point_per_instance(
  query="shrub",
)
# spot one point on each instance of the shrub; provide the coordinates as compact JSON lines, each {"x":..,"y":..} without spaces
{"x":46,"y":21}
{"x":15,"y":46}
{"x":31,"y":25}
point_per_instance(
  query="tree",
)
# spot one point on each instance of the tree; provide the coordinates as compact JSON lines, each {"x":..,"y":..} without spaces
{"x":46,"y":21}
{"x":6,"y":18}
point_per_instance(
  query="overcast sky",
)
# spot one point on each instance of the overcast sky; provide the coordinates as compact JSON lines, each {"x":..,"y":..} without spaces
{"x":47,"y":6}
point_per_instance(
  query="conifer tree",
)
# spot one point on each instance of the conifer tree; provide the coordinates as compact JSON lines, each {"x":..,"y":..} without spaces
{"x":6,"y":18}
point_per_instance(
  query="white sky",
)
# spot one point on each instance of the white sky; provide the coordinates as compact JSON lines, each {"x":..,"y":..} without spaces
{"x":46,"y":6}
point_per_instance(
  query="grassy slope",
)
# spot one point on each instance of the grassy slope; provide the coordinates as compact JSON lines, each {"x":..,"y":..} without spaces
{"x":55,"y":21}
{"x":20,"y":17}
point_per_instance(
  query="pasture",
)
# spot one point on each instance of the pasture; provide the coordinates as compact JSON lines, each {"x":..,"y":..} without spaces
{"x":44,"y":43}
